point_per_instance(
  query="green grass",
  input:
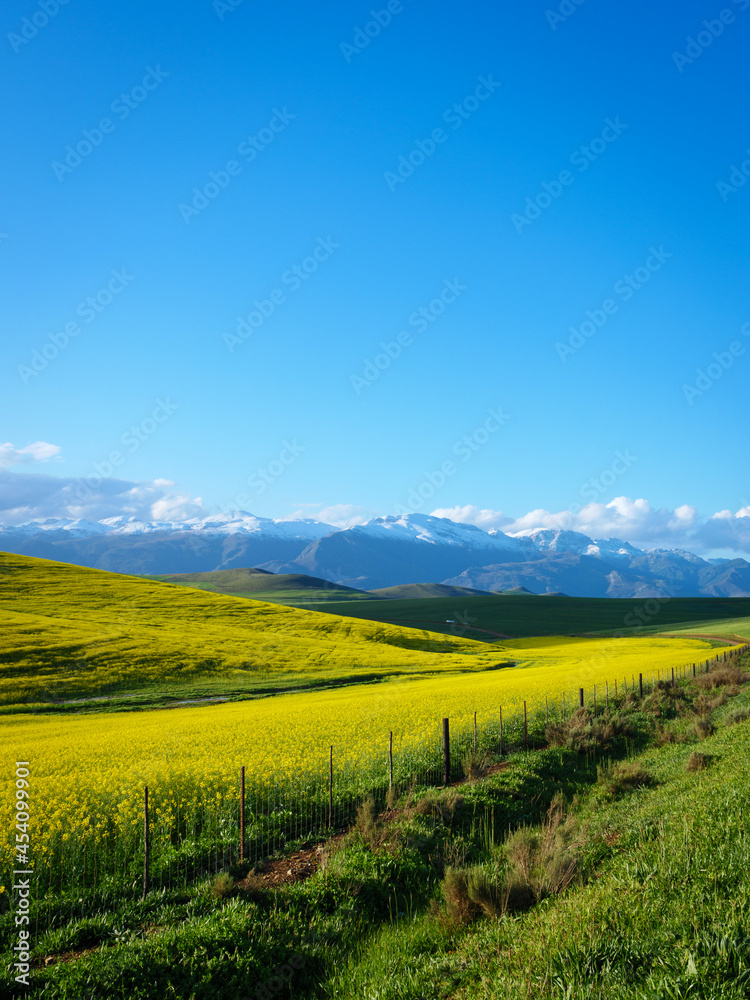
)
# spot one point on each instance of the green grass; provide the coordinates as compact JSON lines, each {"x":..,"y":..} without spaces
{"x":414,"y":591}
{"x":520,"y":616}
{"x":280,"y":588}
{"x":659,"y":905}
{"x":68,"y":633}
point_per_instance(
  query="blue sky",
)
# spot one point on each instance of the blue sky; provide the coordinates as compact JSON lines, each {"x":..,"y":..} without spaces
{"x":304,"y":128}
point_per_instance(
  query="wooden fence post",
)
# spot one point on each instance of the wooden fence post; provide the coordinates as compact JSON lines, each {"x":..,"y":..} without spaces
{"x":330,"y":790}
{"x":546,"y":708}
{"x":446,"y":752}
{"x":525,"y":726}
{"x":640,"y":684}
{"x":146,"y":843}
{"x":390,"y":760}
{"x":242,"y":813}
{"x":580,"y":697}
{"x":607,"y":694}
{"x":501,"y":730}
{"x":475,"y":732}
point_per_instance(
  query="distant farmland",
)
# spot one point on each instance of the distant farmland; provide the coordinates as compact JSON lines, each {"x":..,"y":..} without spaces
{"x":490,"y":618}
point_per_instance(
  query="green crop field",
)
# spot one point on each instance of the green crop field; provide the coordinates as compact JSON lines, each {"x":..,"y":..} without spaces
{"x":294,"y":589}
{"x":515,"y":615}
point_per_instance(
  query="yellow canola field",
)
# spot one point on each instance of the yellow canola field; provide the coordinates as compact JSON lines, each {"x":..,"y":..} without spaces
{"x":88,"y":771}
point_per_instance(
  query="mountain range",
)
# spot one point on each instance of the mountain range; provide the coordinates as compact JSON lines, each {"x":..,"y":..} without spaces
{"x":384,"y":552}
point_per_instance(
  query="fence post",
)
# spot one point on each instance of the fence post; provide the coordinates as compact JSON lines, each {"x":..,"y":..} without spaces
{"x":146,"y":844}
{"x":594,"y":699}
{"x":330,"y":790}
{"x":242,"y":813}
{"x":525,"y":726}
{"x":580,"y":697}
{"x":546,"y":708}
{"x":501,"y":730}
{"x":693,"y":670}
{"x":563,"y":706}
{"x":607,"y":694}
{"x":640,"y":684}
{"x":446,"y":752}
{"x":390,"y":760}
{"x":672,"y":676}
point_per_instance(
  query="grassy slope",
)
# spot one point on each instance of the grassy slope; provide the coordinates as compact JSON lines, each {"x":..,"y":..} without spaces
{"x":413,"y":591}
{"x":282,"y":588}
{"x":663,"y":911}
{"x":71,"y":632}
{"x":520,"y":616}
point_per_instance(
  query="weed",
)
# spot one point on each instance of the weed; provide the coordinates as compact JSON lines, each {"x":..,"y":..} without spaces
{"x":223,"y":886}
{"x":698,"y":761}
{"x":617,"y":779}
{"x":475,"y":764}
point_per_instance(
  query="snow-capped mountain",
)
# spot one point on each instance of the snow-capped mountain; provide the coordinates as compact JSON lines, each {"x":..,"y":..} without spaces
{"x":383,"y":552}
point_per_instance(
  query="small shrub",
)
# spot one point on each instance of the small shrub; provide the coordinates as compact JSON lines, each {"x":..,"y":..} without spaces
{"x":440,"y":806}
{"x":618,"y":779}
{"x":460,"y":908}
{"x":722,"y":677}
{"x":222,"y":886}
{"x":475,"y":764}
{"x":585,"y":732}
{"x":666,"y":736}
{"x":543,"y":862}
{"x":703,"y":728}
{"x":737,"y":715}
{"x":698,"y":761}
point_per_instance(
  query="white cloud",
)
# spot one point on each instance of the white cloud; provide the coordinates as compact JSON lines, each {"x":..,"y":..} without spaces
{"x":481,"y":517}
{"x":28,"y":496}
{"x":634,"y":521}
{"x":178,"y":507}
{"x":38,"y":451}
{"x":340,"y":515}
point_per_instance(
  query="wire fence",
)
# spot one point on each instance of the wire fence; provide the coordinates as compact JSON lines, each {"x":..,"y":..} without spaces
{"x":170,"y":841}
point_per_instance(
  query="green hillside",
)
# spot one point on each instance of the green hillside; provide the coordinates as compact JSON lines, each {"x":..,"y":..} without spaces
{"x":278,"y":588}
{"x":68,"y":632}
{"x":518,"y":615}
{"x":413,"y":591}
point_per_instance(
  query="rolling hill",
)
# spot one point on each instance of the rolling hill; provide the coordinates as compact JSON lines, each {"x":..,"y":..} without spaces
{"x":411,"y":591}
{"x":68,"y":632}
{"x":294,"y":589}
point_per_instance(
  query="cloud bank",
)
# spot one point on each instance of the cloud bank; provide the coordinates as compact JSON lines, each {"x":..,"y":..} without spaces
{"x":634,"y":521}
{"x":29,"y":496}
